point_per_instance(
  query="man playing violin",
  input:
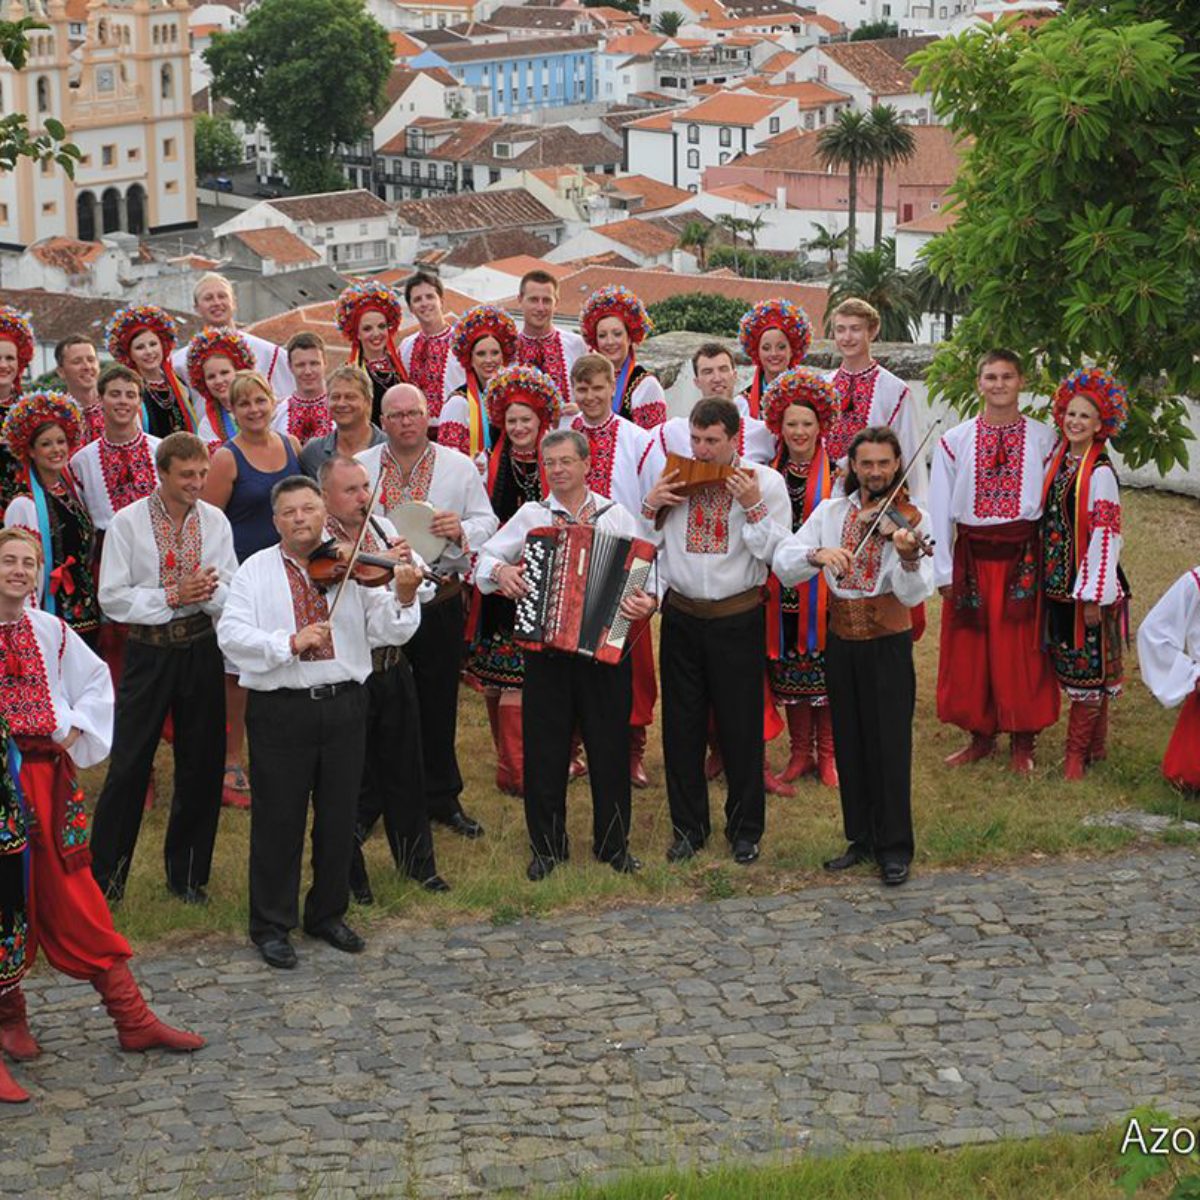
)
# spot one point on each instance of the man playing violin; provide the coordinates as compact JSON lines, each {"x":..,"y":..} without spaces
{"x":304,"y":653}
{"x":393,"y":784}
{"x":872,"y":545}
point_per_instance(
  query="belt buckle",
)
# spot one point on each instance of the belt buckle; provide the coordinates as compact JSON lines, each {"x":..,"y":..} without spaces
{"x":176,"y":631}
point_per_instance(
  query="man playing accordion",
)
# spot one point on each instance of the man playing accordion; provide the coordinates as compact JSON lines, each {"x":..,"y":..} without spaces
{"x":563,"y":689}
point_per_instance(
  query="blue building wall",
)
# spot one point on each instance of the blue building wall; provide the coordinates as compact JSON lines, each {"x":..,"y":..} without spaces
{"x":519,"y":85}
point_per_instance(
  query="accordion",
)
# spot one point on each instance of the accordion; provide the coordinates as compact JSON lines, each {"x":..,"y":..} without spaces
{"x":578,"y":575}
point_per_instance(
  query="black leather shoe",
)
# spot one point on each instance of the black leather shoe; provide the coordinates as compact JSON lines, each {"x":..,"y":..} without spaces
{"x":464,"y":826}
{"x":625,"y":864}
{"x":539,"y":868}
{"x":745,"y":851}
{"x":894,"y":873}
{"x":434,"y":883}
{"x":278,"y":952}
{"x":190,"y":895}
{"x":360,"y":881}
{"x":362,"y":892}
{"x":680,"y":850}
{"x":340,"y":936}
{"x":853,"y":856}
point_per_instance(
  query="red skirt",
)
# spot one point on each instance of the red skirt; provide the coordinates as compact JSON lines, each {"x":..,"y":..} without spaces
{"x":1181,"y":763}
{"x":993,"y":674}
{"x":645,"y":678}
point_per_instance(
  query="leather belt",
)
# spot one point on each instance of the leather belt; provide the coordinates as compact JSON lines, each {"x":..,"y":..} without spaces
{"x":452,"y":587}
{"x":711,"y":610}
{"x":322,"y":691}
{"x":385,"y":657}
{"x":183,"y":631}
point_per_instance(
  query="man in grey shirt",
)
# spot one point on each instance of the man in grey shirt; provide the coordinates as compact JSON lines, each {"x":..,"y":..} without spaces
{"x":350,"y":411}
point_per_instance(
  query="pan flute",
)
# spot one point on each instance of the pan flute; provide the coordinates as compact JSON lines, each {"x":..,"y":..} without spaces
{"x":694,"y":474}
{"x":578,"y":576}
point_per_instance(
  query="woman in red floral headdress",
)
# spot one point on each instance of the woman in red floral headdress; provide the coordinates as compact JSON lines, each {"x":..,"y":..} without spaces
{"x":16,"y":353}
{"x":614,"y":322}
{"x":142,"y":337}
{"x":368,"y":315}
{"x":775,"y":336}
{"x":485,"y":339}
{"x":214,"y":357}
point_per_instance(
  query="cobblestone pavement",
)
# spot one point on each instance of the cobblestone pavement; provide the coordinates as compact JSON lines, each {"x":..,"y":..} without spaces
{"x":960,"y":1008}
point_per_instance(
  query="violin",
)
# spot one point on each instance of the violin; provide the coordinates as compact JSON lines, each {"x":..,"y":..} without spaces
{"x":898,"y":510}
{"x":327,"y":565}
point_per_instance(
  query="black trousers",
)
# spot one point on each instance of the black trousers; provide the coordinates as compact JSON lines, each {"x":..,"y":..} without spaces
{"x":562,"y":691}
{"x":393,"y":781}
{"x":715,"y":664}
{"x":872,"y":695}
{"x":300,"y":746}
{"x":189,"y":683}
{"x":435,"y":655}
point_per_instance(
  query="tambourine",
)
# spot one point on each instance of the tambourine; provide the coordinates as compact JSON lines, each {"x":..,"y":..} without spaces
{"x":412,"y":521}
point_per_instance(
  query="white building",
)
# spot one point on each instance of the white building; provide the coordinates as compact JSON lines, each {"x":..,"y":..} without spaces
{"x":870,"y":73}
{"x":354,"y":231}
{"x":125,"y":102}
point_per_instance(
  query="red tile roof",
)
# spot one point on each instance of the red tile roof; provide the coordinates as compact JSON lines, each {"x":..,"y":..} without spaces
{"x":730,"y":108}
{"x":67,"y":254}
{"x":639,"y":236}
{"x":278,"y":245}
{"x":328,"y":208}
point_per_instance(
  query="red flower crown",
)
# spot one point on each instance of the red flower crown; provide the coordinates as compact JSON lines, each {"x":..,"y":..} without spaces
{"x":776,"y":314}
{"x":360,"y":298}
{"x":522,"y":385}
{"x":615,"y":300}
{"x":16,"y":328}
{"x":34,"y":411}
{"x":126,"y":324}
{"x":485,"y":320}
{"x":216,"y":341}
{"x":799,"y":385}
{"x":1103,"y":390}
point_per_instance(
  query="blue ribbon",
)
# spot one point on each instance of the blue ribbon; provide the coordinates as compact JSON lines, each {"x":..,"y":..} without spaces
{"x":622,"y":379}
{"x":43,"y":520}
{"x":814,"y":583}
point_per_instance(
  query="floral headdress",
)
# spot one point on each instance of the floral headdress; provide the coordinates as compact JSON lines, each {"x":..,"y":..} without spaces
{"x":33,"y":412}
{"x":615,"y":300}
{"x":1103,"y":390}
{"x":361,"y":298}
{"x":485,"y":320}
{"x":16,"y":328}
{"x":776,"y":314}
{"x":799,"y":386}
{"x":126,"y":324}
{"x":209,"y":342}
{"x":522,"y":385}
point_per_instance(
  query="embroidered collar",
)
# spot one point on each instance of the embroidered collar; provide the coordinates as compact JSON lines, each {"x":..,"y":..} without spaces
{"x":406,"y":478}
{"x":107,"y":442}
{"x":871,"y":366}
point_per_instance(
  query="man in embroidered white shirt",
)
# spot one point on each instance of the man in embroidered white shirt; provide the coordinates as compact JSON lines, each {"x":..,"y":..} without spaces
{"x":874,"y":582}
{"x":717,"y":542}
{"x":540,"y":344}
{"x":304,"y":655}
{"x":426,"y":354}
{"x":985,"y":500}
{"x":418,"y":470}
{"x":168,"y":560}
{"x":562,"y":690}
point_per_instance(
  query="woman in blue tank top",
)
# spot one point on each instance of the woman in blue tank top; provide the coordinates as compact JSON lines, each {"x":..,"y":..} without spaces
{"x":243,"y":472}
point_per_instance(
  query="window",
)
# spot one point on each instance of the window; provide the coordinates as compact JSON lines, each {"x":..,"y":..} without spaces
{"x":722,"y":158}
{"x":432,"y":172}
{"x":172,"y":185}
{"x":43,"y":94}
{"x":448,"y":174}
{"x":47,"y":166}
{"x":362,"y":225}
{"x":3,"y":214}
{"x":773,"y":125}
{"x":167,"y":82}
{"x":168,"y":149}
{"x":608,"y":91}
{"x":822,"y":74}
{"x":906,"y":214}
{"x":809,"y":120}
{"x":693,"y":133}
{"x":108,"y":155}
{"x":133,"y":155}
{"x":329,"y":231}
{"x":693,"y":160}
{"x":725,"y":136}
{"x":49,"y":208}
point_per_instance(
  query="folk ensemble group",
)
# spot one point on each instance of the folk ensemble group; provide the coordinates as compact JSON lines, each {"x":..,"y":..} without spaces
{"x":199,"y":546}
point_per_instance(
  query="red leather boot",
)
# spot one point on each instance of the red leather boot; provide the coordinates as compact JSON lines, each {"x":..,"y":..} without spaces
{"x":491,"y":701}
{"x":1081,"y":722}
{"x":637,"y":755}
{"x":10,"y":1091}
{"x":1098,"y":750}
{"x":15,"y":1039}
{"x":980,"y":746}
{"x":512,"y":748}
{"x":826,"y":762}
{"x":774,"y":784}
{"x":803,"y":760}
{"x":137,"y":1027}
{"x":578,"y":768}
{"x":1020,"y":755}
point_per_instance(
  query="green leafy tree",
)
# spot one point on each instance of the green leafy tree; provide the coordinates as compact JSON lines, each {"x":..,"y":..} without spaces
{"x":828,"y":242}
{"x":311,"y":71}
{"x":699,"y":312}
{"x":16,"y":140}
{"x":1078,"y":205}
{"x":893,"y":145}
{"x":936,"y":295}
{"x":695,"y":237}
{"x":669,"y":23}
{"x":875,"y":29}
{"x":871,"y":275}
{"x":848,"y":141}
{"x":218,"y":147}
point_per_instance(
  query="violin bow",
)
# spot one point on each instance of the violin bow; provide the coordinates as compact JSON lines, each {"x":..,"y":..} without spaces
{"x":883,"y":508}
{"x":358,"y":542}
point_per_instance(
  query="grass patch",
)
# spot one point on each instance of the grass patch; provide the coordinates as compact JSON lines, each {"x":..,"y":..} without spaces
{"x":977,"y":815}
{"x":1059,"y":1167}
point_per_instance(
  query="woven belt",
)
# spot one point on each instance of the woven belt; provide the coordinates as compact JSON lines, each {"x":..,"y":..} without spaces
{"x":183,"y":631}
{"x":711,"y":610}
{"x":383,"y":657}
{"x":323,"y":691}
{"x":452,"y":587}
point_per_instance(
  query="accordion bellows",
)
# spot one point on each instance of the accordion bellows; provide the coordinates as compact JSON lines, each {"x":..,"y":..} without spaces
{"x":578,"y":575}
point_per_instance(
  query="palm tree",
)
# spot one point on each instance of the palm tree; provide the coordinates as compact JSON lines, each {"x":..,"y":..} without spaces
{"x":893,"y":144}
{"x":871,"y":275}
{"x":695,"y":237}
{"x":848,"y":142}
{"x":934,"y":295}
{"x":829,"y":241}
{"x":668,"y":23}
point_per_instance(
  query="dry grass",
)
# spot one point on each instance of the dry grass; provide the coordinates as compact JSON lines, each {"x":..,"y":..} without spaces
{"x":980,"y":816}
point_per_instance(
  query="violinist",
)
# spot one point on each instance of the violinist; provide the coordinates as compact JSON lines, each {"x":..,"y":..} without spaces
{"x":872,"y":546}
{"x":168,"y":561}
{"x":393,"y":783}
{"x":304,"y":653}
